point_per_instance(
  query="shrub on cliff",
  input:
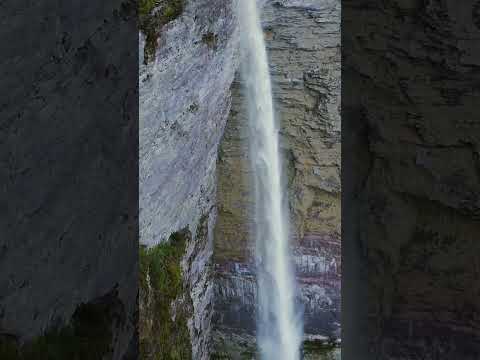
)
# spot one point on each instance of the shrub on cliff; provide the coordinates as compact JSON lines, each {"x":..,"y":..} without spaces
{"x":153,"y":15}
{"x":164,"y":297}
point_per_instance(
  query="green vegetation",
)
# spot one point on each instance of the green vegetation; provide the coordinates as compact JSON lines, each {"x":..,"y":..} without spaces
{"x":164,"y":296}
{"x":234,"y":346}
{"x":145,"y":7}
{"x":153,"y":15}
{"x":314,"y":350}
{"x":311,"y":350}
{"x":246,"y":355}
{"x":88,"y":336}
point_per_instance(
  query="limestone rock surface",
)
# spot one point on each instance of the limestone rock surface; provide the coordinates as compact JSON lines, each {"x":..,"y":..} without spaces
{"x":184,"y":104}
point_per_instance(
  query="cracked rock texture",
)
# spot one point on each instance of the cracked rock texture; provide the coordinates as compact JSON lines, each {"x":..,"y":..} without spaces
{"x":411,"y":82}
{"x":303,"y":44}
{"x":184,"y":105}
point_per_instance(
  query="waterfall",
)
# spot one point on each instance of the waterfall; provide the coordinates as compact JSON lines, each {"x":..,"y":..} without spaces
{"x":279,"y":329}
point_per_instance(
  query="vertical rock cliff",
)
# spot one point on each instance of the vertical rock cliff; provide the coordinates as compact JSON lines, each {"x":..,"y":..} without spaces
{"x":303,"y":44}
{"x":184,"y":105}
{"x":414,"y":67}
{"x":68,"y":252}
{"x":194,"y":169}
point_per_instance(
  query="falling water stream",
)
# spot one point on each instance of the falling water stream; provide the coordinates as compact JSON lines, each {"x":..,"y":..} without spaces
{"x":279,"y":329}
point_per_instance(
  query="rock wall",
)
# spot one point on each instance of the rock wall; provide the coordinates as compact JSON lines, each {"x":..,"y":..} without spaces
{"x":411,"y":91}
{"x":184,"y":101}
{"x":182,"y":161}
{"x":184,"y":105}
{"x":303,"y":43}
{"x":68,"y":172}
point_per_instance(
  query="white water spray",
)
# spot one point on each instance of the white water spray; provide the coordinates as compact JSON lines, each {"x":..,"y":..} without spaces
{"x":279,"y":329}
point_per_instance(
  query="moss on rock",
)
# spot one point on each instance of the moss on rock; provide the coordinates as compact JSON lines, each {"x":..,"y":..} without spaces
{"x":234,"y":347}
{"x":165,"y":302}
{"x":153,"y":15}
{"x":315,"y":350}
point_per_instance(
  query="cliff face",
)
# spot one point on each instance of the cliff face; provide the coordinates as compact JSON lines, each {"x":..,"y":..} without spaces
{"x":179,"y":137}
{"x":183,"y":158}
{"x":414,"y":67}
{"x":68,"y":119}
{"x":179,"y":134}
{"x":303,"y":43}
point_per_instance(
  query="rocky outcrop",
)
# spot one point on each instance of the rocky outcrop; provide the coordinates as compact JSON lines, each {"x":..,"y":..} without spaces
{"x":303,"y":43}
{"x":411,"y":97}
{"x":184,"y":105}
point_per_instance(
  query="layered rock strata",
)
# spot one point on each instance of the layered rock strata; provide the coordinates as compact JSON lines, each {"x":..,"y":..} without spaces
{"x":179,"y":156}
{"x":303,"y":44}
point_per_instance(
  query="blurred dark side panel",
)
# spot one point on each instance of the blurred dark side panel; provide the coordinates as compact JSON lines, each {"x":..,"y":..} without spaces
{"x":68,"y":179}
{"x":411,"y":178}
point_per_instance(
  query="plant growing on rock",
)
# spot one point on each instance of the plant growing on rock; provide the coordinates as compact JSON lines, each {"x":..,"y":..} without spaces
{"x":153,"y":15}
{"x":164,"y":301}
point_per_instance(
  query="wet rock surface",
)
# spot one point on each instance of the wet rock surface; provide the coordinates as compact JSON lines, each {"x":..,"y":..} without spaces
{"x":183,"y":159}
{"x":303,"y":44}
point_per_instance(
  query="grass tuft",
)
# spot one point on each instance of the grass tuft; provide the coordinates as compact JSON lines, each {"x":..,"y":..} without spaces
{"x":163,"y":295}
